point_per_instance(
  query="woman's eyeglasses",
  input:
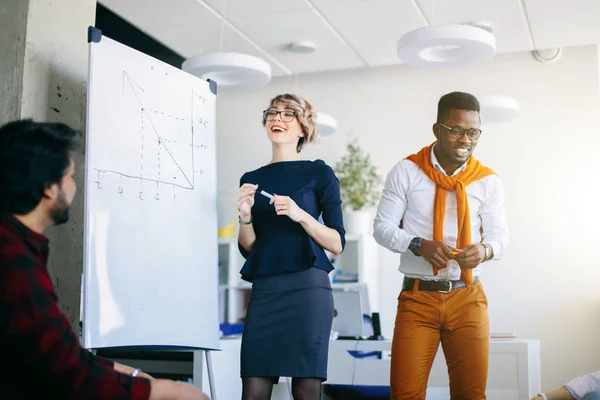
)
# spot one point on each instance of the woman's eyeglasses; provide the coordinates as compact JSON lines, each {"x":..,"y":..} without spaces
{"x":285,"y":115}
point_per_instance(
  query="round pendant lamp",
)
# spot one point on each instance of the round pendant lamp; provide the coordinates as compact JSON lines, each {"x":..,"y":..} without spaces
{"x":498,"y":109}
{"x":327,"y":124}
{"x":230,"y":70}
{"x":446,"y":46}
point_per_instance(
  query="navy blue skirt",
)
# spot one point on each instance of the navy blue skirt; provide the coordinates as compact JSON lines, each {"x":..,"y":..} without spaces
{"x":287,"y":327}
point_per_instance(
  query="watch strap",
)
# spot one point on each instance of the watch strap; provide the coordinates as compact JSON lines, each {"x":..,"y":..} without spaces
{"x":488,"y":252}
{"x":245,"y":222}
{"x":415,"y":245}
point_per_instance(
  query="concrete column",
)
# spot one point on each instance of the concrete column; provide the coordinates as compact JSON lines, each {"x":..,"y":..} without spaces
{"x":43,"y":74}
{"x":13,"y":23}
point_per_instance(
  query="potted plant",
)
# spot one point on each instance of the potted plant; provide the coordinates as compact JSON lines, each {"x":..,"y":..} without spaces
{"x":359,"y":187}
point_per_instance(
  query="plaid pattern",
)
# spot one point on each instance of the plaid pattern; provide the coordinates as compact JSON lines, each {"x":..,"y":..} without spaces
{"x":41,"y":356}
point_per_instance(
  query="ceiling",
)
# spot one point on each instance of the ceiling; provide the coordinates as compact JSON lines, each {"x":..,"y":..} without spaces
{"x":349,"y":33}
{"x":120,"y":30}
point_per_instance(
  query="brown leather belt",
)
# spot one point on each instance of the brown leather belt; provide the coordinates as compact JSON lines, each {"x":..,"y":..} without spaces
{"x":442,"y":285}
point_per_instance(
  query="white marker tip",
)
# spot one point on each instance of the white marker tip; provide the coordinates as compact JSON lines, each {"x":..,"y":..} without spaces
{"x":270,"y":196}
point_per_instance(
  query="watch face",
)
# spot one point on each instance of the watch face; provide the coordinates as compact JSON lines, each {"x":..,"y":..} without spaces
{"x":414,"y":245}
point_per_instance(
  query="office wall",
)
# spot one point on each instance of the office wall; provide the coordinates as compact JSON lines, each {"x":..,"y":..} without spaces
{"x":43,"y":73}
{"x":13,"y":20}
{"x":547,"y":285}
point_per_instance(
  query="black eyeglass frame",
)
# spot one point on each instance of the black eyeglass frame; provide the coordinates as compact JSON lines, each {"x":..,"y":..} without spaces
{"x":281,"y":115}
{"x":458,"y":132}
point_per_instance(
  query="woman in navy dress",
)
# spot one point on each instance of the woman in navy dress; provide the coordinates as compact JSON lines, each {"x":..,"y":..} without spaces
{"x":288,"y":322}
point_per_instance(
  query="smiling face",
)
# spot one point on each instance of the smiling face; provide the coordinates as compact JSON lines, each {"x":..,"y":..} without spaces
{"x":282,"y":125}
{"x":454,"y":152}
{"x":290,"y":120}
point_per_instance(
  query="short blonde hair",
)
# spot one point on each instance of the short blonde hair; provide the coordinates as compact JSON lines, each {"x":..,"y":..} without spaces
{"x":305,"y":113}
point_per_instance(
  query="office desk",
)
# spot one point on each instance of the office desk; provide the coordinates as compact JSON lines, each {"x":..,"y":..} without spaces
{"x":514,"y":368}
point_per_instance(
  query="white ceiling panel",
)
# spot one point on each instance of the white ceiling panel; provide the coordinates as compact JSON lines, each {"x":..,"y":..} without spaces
{"x":372,"y":27}
{"x":560,"y":23}
{"x":351,"y":33}
{"x":327,"y":3}
{"x":506,"y":18}
{"x":194,"y":39}
{"x":247,"y":8}
{"x":274,"y":33}
{"x":151,"y":14}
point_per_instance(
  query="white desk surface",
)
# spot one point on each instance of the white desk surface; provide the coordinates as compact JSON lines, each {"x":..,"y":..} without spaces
{"x":514,"y":371}
{"x":514,"y":368}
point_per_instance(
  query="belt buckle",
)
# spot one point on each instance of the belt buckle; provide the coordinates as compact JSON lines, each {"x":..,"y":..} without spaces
{"x":449,"y":286}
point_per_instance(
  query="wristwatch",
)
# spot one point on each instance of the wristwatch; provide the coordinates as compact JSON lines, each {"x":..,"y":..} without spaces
{"x":488,"y":253}
{"x":415,"y":245}
{"x":245,"y":222}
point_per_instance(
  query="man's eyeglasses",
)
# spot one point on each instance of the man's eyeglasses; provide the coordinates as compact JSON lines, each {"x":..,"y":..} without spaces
{"x":458,"y":132}
{"x":285,"y":115}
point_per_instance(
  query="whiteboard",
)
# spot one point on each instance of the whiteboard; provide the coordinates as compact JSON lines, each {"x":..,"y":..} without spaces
{"x":150,"y":236}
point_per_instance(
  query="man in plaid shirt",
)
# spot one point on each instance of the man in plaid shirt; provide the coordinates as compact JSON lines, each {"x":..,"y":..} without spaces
{"x":41,"y":356}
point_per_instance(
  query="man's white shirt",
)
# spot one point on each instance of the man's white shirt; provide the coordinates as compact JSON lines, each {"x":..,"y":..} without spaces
{"x":409,"y":194}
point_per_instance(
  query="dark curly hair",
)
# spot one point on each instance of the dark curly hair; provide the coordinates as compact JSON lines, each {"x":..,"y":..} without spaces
{"x":457,"y":101}
{"x":33,"y":157}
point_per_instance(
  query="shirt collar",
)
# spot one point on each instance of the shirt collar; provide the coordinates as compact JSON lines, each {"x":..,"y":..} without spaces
{"x":438,"y":167}
{"x":37,"y":241}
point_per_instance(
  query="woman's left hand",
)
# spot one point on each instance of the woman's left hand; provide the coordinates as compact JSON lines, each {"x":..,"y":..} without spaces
{"x":284,"y":205}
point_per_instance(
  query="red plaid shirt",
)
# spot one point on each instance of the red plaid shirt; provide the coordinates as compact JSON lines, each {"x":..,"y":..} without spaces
{"x":41,"y":356}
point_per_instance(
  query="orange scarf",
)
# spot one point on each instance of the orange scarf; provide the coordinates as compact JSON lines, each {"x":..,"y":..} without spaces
{"x":457,"y":183}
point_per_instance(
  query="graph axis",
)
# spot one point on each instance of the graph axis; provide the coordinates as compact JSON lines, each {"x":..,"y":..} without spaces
{"x":127,"y":79}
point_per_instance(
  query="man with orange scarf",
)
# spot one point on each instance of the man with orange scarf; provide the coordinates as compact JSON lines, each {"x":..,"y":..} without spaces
{"x":444,"y":212}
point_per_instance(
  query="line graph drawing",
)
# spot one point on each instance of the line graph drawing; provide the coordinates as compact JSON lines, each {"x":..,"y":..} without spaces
{"x":167,"y":141}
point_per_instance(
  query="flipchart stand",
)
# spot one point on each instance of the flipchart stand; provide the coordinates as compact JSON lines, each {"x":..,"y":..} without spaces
{"x":127,"y":93}
{"x":197,"y":371}
{"x":209,"y":370}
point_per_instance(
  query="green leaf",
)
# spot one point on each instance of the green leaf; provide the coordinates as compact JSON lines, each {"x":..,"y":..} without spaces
{"x":359,"y":182}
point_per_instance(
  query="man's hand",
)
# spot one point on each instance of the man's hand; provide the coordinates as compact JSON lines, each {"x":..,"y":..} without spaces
{"x":127,"y":370}
{"x":162,"y":389}
{"x":144,"y":375}
{"x":471,"y":256}
{"x":435,"y":253}
{"x":189,"y":392}
{"x":561,"y":393}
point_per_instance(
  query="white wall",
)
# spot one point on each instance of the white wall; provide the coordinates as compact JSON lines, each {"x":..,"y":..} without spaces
{"x":547,"y":286}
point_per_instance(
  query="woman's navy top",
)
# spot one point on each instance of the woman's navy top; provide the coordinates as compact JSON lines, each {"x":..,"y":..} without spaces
{"x":283,"y":245}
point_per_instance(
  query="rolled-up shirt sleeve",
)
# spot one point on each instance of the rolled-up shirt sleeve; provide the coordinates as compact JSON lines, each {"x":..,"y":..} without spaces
{"x":493,"y":218}
{"x":583,"y":385}
{"x":390,"y":211}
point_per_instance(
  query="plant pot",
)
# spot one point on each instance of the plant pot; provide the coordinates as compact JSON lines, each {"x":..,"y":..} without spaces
{"x":357,"y":222}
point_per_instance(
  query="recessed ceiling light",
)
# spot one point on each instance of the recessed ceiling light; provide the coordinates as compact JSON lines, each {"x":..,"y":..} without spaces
{"x":230,"y":70}
{"x":303,"y":47}
{"x":446,"y":46}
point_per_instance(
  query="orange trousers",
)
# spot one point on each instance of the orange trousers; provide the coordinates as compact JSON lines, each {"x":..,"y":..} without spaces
{"x":459,"y":320}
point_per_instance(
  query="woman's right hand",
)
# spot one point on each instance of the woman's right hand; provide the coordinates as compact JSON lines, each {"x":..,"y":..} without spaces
{"x":245,"y":199}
